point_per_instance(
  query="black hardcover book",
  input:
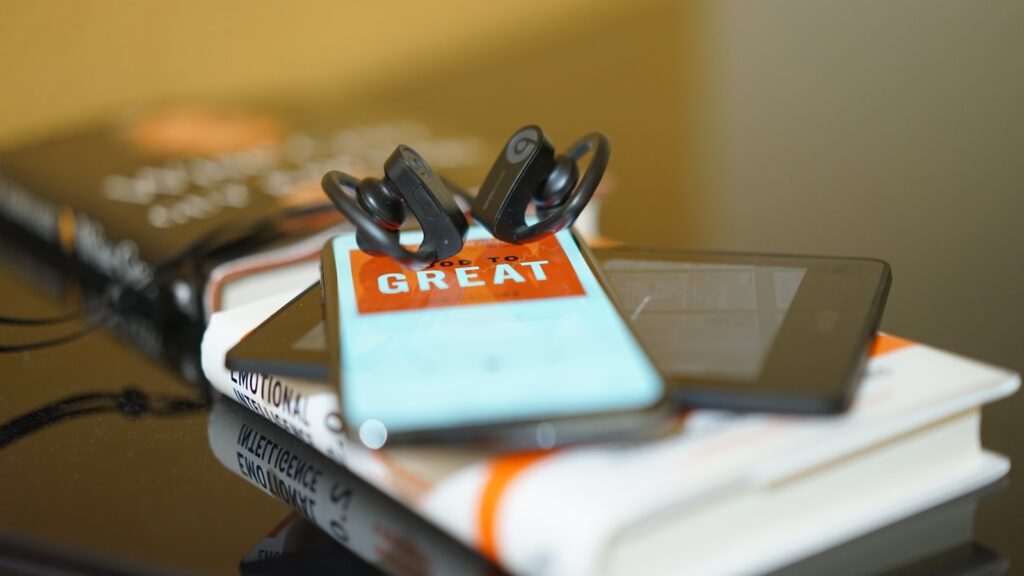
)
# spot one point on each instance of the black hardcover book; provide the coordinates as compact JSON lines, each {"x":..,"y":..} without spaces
{"x":151,"y":203}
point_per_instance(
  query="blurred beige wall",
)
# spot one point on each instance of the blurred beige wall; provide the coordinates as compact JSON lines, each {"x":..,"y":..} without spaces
{"x":892,"y":129}
{"x":66,"y":62}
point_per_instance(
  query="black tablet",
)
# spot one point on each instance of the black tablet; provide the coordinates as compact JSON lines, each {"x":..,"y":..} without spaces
{"x":290,"y":343}
{"x":752,"y":332}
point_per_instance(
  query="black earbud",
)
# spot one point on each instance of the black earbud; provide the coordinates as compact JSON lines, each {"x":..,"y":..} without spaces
{"x":528,"y":170}
{"x":379,"y":209}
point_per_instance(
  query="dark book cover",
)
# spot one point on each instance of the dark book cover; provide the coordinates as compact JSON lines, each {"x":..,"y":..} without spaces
{"x":151,"y":201}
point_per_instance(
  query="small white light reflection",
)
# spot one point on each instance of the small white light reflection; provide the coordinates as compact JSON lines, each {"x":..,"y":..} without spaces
{"x":546,"y":435}
{"x":373,"y":433}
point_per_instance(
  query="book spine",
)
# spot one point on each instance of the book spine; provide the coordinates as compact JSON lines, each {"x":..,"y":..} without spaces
{"x":357,"y":515}
{"x":75,"y":233}
{"x":35,"y":215}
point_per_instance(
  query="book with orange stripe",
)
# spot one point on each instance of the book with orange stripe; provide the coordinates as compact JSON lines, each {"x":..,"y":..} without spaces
{"x":779,"y":488}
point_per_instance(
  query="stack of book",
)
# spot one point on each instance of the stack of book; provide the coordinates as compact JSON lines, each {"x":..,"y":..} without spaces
{"x":721,"y":494}
{"x":355,"y":529}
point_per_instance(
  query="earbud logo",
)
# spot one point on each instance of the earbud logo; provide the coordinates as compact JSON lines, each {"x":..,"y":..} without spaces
{"x":416,"y":162}
{"x":521,"y":145}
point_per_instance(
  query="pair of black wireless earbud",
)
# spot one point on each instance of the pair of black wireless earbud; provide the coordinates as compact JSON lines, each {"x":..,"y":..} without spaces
{"x":527,"y":171}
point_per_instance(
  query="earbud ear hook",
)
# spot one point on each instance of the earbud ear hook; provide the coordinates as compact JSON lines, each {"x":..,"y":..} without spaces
{"x":527,"y":171}
{"x":383,"y":240}
{"x":377,"y":209}
{"x":555,"y":218}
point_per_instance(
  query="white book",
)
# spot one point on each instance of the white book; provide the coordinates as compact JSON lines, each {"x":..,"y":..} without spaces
{"x":723,"y":494}
{"x":331,"y":503}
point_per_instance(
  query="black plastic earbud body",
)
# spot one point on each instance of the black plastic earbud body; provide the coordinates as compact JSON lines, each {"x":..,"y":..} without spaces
{"x":379,"y":209}
{"x":528,"y":171}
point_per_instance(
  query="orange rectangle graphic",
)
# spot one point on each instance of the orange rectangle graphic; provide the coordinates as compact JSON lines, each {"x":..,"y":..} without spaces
{"x":486,"y":271}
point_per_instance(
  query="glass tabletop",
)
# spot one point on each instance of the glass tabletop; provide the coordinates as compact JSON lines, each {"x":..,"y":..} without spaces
{"x":734,"y":127}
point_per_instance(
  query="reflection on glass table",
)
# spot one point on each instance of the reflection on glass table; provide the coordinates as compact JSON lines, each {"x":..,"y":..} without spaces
{"x":366,"y":522}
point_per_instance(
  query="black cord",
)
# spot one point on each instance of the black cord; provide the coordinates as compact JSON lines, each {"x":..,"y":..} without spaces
{"x":33,"y":345}
{"x":131,"y":402}
{"x":232,"y":235}
{"x":42,"y":320}
{"x":42,"y":417}
{"x":219,"y":240}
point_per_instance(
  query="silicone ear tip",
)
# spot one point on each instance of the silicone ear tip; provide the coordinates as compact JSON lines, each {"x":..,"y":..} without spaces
{"x":382,"y":204}
{"x":559,"y":184}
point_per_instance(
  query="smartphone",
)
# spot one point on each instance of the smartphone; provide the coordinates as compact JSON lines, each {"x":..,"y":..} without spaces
{"x":752,"y":332}
{"x":519,"y":345}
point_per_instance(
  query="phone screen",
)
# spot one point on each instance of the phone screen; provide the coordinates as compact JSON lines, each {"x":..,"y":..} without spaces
{"x":500,"y":333}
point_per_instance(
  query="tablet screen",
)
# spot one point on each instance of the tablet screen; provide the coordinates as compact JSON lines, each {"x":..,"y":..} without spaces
{"x":703,"y":319}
